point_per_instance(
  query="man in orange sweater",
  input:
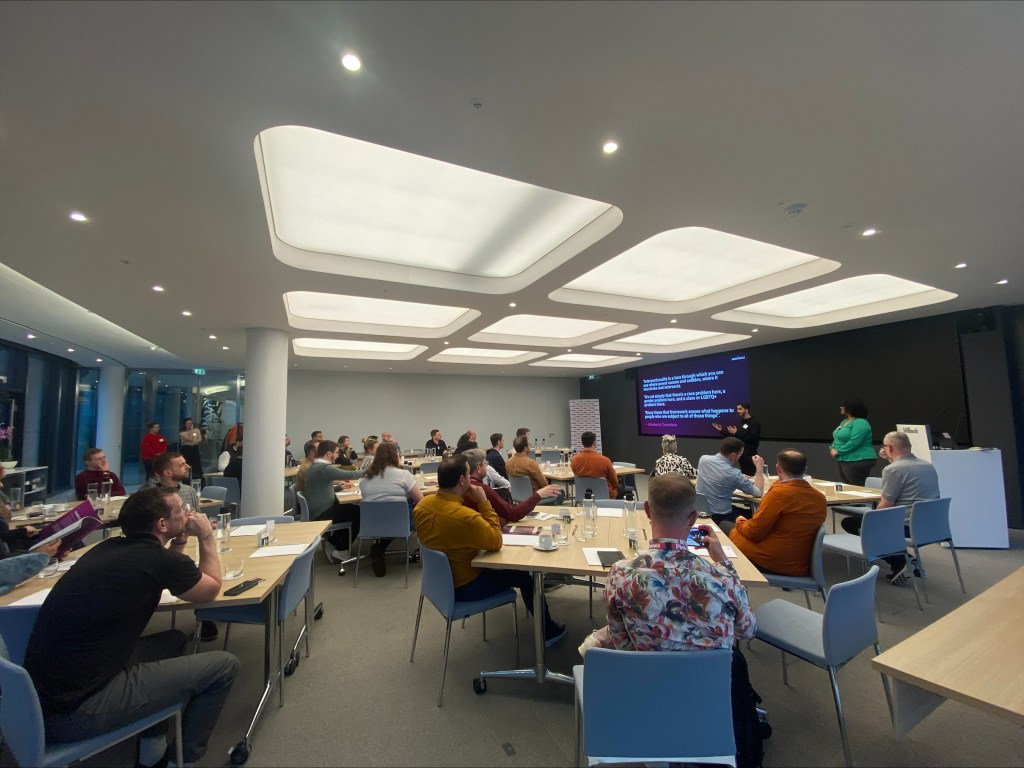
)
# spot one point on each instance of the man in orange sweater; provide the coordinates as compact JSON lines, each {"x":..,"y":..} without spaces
{"x":590,"y":463}
{"x":780,"y":536}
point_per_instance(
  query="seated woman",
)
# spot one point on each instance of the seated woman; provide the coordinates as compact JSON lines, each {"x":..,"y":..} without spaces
{"x":670,"y":461}
{"x":349,"y":455}
{"x":385,"y":480}
{"x":320,"y":480}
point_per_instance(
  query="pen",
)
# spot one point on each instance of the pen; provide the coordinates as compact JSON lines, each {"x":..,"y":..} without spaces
{"x":645,"y":534}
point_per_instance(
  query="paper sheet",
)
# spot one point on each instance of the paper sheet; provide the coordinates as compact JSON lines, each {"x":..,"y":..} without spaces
{"x":246,"y":530}
{"x":36,"y":598}
{"x":605,"y":512}
{"x":541,"y":516}
{"x":66,"y":565}
{"x":166,"y":598}
{"x":591,"y":554}
{"x":861,"y":494}
{"x":283,"y":549}
{"x":519,"y":540}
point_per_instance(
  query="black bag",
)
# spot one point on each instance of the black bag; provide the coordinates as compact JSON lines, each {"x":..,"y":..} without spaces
{"x":748,"y":728}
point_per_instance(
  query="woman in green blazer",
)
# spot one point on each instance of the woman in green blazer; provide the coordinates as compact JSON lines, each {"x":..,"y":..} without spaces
{"x":851,"y":443}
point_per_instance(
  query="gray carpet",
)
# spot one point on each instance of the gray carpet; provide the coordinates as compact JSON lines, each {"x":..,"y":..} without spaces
{"x":358,"y":701}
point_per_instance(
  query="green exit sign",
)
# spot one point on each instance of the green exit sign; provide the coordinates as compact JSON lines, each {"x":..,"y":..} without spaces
{"x":199,"y":371}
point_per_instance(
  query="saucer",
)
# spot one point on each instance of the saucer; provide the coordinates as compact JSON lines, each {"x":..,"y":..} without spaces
{"x":552,"y":548}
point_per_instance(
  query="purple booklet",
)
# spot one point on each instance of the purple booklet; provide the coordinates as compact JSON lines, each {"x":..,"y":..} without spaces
{"x":71,"y":527}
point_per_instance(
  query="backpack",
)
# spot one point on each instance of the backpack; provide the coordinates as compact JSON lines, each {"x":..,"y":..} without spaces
{"x":748,"y":727}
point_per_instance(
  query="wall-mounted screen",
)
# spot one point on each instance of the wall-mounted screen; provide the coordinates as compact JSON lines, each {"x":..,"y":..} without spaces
{"x":683,"y":397}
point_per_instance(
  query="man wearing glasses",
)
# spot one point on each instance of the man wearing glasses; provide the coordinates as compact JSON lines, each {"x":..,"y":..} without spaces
{"x":97,"y":470}
{"x":907,"y":479}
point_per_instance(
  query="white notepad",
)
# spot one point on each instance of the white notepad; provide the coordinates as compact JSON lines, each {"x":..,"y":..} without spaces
{"x":608,"y":512}
{"x":246,"y":530}
{"x":519,"y":540}
{"x":591,"y":554}
{"x":281,"y":549}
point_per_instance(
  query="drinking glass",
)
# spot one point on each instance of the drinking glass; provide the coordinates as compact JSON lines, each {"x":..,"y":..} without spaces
{"x":224,"y":532}
{"x":233,"y":566}
{"x":50,"y":569}
{"x":14,"y":496}
{"x":561,"y":533}
{"x":197,"y":486}
{"x":92,"y":492}
{"x":629,"y":517}
{"x":106,"y":488}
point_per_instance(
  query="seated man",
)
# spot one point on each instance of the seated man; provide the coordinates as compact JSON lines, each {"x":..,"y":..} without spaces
{"x":91,"y":666}
{"x":718,"y":476}
{"x":669,"y":599}
{"x":310,"y":456}
{"x":495,"y":456}
{"x":97,"y":470}
{"x":522,"y":464}
{"x":320,"y":481}
{"x":444,"y":522}
{"x":590,"y":463}
{"x":385,"y":437}
{"x":435,"y":443}
{"x":907,"y":479}
{"x":511,"y":513}
{"x":170,"y":470}
{"x":780,"y":536}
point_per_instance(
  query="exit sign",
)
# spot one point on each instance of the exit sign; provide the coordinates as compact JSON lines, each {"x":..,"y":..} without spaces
{"x":199,"y":371}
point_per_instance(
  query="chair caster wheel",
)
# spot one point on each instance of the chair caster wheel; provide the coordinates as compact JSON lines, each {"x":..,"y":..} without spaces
{"x":319,"y":612}
{"x":341,"y":571}
{"x":292,"y":665}
{"x":479,"y":686}
{"x":239,"y":753}
{"x":414,"y":557}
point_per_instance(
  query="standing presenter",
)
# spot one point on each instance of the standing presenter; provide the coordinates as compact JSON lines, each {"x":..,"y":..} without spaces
{"x":851,"y":443}
{"x":749,"y":431}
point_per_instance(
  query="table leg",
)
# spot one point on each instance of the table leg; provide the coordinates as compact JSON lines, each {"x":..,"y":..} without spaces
{"x":540,"y":672}
{"x":911,"y":705}
{"x":240,"y":752}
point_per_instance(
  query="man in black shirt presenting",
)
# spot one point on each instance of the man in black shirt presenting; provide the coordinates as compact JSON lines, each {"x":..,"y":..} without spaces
{"x":91,"y":666}
{"x":749,"y":431}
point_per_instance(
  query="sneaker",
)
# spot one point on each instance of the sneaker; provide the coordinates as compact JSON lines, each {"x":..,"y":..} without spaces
{"x":208,"y":631}
{"x":554,"y":635}
{"x":900,"y":577}
{"x":918,"y":570}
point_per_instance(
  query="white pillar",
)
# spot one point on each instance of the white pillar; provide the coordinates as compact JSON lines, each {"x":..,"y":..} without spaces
{"x":266,"y":396}
{"x":110,"y":415}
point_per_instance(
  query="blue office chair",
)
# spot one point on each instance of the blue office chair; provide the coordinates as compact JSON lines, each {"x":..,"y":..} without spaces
{"x":813,"y":583}
{"x":522,"y":488}
{"x":297,"y":586}
{"x":855,"y":509}
{"x":384,"y":520}
{"x":429,"y":467}
{"x":607,"y":731}
{"x":234,"y":493}
{"x":550,"y":456}
{"x":439,"y":588}
{"x":21,"y":717}
{"x":929,"y":524}
{"x":598,"y":485}
{"x":300,"y":497}
{"x":827,"y":640}
{"x":217,"y":493}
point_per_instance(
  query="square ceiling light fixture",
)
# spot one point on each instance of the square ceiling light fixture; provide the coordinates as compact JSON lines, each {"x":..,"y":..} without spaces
{"x":348,"y":207}
{"x":671,"y":340}
{"x":545,"y":331}
{"x":357,"y":350}
{"x":585,"y":361}
{"x":480,"y":356}
{"x":689,"y":270}
{"x":849,"y":299}
{"x":313,"y":311}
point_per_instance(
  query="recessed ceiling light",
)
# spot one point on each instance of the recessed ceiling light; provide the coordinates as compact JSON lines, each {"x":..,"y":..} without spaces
{"x":31,"y":335}
{"x":583,"y":361}
{"x":342,"y":206}
{"x":212,"y":336}
{"x":99,"y":359}
{"x":753,"y":330}
{"x":547,"y":331}
{"x":673,"y":320}
{"x":1004,"y":281}
{"x":225,"y":347}
{"x":481,"y":356}
{"x":511,"y":303}
{"x":152,"y":349}
{"x":610,"y":147}
{"x":313,"y":311}
{"x":961,"y":265}
{"x":78,"y":216}
{"x":70,"y":349}
{"x":348,"y":348}
{"x":186,"y":313}
{"x":446,"y":343}
{"x":869,"y":232}
{"x":351,"y":61}
{"x":568,"y":350}
{"x":848,"y":299}
{"x":158,"y":288}
{"x":662,"y":340}
{"x":690,"y":269}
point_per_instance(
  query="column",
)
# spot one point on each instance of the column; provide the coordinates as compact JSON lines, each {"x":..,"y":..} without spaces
{"x":266,"y":395}
{"x":110,"y":414}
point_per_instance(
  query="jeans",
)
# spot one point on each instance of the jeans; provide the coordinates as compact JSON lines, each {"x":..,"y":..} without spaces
{"x":200,"y":681}
{"x":490,"y":582}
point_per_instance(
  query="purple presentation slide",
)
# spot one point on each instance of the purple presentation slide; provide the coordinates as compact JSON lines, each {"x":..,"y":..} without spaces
{"x":683,"y":397}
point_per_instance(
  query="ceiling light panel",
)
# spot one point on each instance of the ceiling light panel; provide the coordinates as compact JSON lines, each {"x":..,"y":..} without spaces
{"x":577,"y":360}
{"x":480,"y":356}
{"x":546,"y":331}
{"x":360,"y":350}
{"x":313,"y":311}
{"x":688,"y":270}
{"x":664,"y":340}
{"x":340,"y":205}
{"x":849,"y":299}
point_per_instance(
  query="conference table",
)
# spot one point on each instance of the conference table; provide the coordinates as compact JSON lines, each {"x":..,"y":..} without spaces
{"x":971,"y":655}
{"x":32,"y":516}
{"x":427,"y":485}
{"x":851,"y":494}
{"x":570,"y":560}
{"x":272,"y":570}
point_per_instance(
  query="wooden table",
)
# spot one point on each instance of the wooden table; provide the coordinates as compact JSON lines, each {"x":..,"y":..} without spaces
{"x":971,"y":655}
{"x":427,"y":486}
{"x":272,"y":570}
{"x":108,"y":516}
{"x":564,"y":474}
{"x":569,"y":559}
{"x":851,"y":494}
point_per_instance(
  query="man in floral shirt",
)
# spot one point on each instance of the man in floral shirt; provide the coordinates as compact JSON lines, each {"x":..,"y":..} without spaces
{"x":668,"y":599}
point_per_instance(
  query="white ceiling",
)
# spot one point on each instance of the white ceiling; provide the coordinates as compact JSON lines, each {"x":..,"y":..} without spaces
{"x":908,"y":117}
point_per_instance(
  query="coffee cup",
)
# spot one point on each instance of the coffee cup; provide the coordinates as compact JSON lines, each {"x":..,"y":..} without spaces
{"x":545,"y":541}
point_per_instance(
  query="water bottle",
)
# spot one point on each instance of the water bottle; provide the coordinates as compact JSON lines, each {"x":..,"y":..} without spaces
{"x":629,"y":515}
{"x":589,"y":515}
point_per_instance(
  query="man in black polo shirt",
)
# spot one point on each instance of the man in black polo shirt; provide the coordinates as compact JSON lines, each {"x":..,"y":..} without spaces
{"x":91,"y":666}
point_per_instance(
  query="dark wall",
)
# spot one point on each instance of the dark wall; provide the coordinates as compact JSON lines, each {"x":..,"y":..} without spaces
{"x":957,"y":372}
